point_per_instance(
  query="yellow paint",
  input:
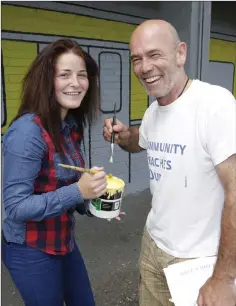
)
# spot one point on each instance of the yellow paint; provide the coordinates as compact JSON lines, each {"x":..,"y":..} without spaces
{"x":17,"y":57}
{"x":139,"y":99}
{"x":114,"y":184}
{"x":30,"y":20}
{"x":224,"y":51}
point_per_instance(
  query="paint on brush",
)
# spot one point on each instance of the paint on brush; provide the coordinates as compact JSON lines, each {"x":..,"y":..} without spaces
{"x":112,"y":152}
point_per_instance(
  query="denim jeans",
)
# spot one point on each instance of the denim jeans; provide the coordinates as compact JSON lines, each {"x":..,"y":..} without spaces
{"x":48,"y":280}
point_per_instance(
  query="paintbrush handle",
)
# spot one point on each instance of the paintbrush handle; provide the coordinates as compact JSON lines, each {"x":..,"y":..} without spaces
{"x":113,"y":137}
{"x":92,"y":171}
{"x":113,"y":133}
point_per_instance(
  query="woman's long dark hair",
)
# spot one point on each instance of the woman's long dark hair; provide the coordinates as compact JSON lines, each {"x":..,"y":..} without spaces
{"x":38,"y":94}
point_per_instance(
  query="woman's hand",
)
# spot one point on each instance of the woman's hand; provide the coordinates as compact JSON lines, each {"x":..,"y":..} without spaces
{"x":92,"y":186}
{"x":122,"y":213}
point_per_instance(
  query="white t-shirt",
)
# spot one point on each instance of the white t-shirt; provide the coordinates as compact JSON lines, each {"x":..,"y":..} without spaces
{"x":185,"y":140}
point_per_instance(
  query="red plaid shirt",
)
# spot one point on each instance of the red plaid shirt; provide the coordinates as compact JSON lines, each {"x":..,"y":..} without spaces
{"x":53,"y":235}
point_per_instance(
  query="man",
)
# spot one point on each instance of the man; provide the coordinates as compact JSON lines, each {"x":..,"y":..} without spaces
{"x":189,"y":135}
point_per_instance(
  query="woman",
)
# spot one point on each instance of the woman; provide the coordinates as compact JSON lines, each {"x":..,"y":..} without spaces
{"x":60,"y":95}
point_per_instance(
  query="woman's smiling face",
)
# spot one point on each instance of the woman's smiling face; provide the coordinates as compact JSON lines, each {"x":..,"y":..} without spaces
{"x":71,"y":81}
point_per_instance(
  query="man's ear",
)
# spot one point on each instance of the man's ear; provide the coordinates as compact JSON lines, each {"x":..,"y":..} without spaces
{"x":181,"y":54}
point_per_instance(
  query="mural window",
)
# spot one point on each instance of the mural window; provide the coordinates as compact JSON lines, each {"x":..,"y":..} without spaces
{"x":110,"y":66}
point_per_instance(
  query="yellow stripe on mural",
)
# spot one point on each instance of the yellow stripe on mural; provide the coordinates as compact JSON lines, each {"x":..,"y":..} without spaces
{"x":139,"y":99}
{"x":17,"y":57}
{"x":49,"y":22}
{"x":224,"y":51}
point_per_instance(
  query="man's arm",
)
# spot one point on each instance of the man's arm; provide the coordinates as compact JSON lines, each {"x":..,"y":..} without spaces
{"x":129,"y":140}
{"x":220,"y":289}
{"x":226,"y":262}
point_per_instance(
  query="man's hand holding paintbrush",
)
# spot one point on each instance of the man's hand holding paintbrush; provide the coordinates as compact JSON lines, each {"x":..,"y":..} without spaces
{"x":126,"y":137}
{"x":120,"y":131}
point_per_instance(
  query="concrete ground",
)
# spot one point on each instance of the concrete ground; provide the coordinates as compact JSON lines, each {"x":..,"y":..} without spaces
{"x":110,"y":251}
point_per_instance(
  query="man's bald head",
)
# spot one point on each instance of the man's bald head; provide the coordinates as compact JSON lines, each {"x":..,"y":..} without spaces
{"x":158,"y":56}
{"x":157,"y":29}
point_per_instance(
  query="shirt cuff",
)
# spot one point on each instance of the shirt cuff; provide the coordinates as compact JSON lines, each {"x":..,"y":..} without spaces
{"x":84,"y":209}
{"x":70,"y":196}
{"x":87,"y":211}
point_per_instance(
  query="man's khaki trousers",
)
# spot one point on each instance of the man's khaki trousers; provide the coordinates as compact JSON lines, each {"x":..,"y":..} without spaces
{"x":153,"y":288}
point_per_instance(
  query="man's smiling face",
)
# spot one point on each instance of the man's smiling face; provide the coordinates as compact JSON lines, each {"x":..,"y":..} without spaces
{"x":155,"y":61}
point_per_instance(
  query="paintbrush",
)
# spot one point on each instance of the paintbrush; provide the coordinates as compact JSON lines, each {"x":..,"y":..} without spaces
{"x":92,"y":171}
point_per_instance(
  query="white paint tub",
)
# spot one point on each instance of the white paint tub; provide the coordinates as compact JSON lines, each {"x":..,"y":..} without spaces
{"x":108,"y":205}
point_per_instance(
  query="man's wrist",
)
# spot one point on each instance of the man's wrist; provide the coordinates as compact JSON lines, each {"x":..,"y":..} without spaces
{"x":124,"y":138}
{"x":223,"y":275}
